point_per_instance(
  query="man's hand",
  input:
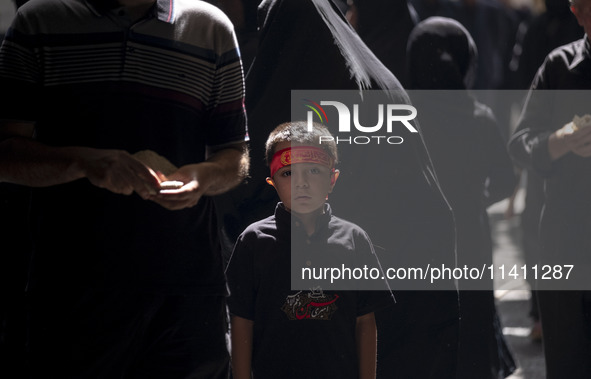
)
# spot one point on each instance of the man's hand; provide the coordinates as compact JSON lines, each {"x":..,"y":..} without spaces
{"x":569,"y":138}
{"x":224,"y":169}
{"x":119,"y":172}
{"x":194,"y":182}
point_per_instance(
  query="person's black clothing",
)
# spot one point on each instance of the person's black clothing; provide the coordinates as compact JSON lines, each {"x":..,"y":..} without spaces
{"x":441,"y":56}
{"x":555,"y":27}
{"x":566,"y":181}
{"x":474,"y":169}
{"x":153,"y":336}
{"x":300,"y":334}
{"x":384,"y":26}
{"x":492,"y":25}
{"x":536,"y":38}
{"x":566,"y":216}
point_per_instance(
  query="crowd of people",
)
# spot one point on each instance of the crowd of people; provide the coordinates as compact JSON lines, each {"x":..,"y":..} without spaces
{"x":153,"y":185}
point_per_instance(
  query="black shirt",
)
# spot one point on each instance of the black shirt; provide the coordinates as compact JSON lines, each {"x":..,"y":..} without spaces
{"x":298,"y":334}
{"x":566,"y":218}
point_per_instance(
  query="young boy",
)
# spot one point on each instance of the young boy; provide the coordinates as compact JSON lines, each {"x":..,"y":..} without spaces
{"x":281,"y":333}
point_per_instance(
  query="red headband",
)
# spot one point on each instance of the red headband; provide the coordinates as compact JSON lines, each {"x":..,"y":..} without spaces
{"x":300,"y":154}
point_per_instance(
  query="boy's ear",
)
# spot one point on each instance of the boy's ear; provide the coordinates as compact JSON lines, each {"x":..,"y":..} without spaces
{"x":333,"y":178}
{"x":574,"y":11}
{"x":270,"y":181}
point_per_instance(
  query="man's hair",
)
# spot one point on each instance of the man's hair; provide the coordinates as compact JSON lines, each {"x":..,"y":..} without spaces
{"x":297,"y":133}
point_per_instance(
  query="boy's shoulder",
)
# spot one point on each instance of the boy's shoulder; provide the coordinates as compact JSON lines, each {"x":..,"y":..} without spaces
{"x":268,"y":228}
{"x":278,"y":222}
{"x":338,"y":224}
{"x":266,"y":225}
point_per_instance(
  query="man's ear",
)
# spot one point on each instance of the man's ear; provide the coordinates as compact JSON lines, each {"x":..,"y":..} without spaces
{"x":333,"y":178}
{"x":270,"y":181}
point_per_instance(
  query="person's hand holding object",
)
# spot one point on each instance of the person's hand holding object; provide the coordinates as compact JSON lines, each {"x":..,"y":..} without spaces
{"x":179,"y":188}
{"x":573,"y":137}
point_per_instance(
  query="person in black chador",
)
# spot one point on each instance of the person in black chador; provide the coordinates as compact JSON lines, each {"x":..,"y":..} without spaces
{"x":474,"y":169}
{"x":307,"y":44}
{"x":384,"y":26}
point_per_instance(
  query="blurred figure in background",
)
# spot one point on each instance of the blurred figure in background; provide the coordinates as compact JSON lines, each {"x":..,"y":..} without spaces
{"x":537,"y":37}
{"x":493,"y":27}
{"x":475,"y":171}
{"x":554,"y":27}
{"x":547,"y":142}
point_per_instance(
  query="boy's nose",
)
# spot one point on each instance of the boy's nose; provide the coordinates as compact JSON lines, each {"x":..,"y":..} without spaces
{"x":301,"y":181}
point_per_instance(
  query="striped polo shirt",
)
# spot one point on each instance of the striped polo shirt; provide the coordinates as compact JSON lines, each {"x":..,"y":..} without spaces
{"x":88,"y":75}
{"x":184,"y":53}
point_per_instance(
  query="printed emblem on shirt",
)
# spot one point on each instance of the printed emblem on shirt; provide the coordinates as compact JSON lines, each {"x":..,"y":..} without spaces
{"x":314,"y":305}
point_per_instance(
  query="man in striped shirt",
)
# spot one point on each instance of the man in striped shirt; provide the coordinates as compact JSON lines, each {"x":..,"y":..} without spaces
{"x":126,"y":278}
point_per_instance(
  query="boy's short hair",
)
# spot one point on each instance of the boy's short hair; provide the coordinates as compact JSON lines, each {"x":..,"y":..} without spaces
{"x":297,"y":132}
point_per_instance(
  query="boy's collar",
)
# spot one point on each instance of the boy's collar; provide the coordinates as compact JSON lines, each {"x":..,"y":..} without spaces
{"x":284,"y":218}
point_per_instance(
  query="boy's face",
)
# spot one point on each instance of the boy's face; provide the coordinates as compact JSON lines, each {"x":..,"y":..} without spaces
{"x":303,"y":187}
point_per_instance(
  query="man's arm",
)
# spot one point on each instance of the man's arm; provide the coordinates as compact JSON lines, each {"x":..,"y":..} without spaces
{"x":241,"y":347}
{"x":541,"y":137}
{"x":224,"y":169}
{"x":366,"y":337}
{"x":28,"y":162}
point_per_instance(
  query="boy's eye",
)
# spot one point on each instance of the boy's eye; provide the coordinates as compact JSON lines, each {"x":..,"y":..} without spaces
{"x":286,"y":173}
{"x":314,"y":170}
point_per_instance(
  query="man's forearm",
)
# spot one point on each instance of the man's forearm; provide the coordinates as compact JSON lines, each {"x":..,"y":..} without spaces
{"x":225,"y":169}
{"x":28,"y":162}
